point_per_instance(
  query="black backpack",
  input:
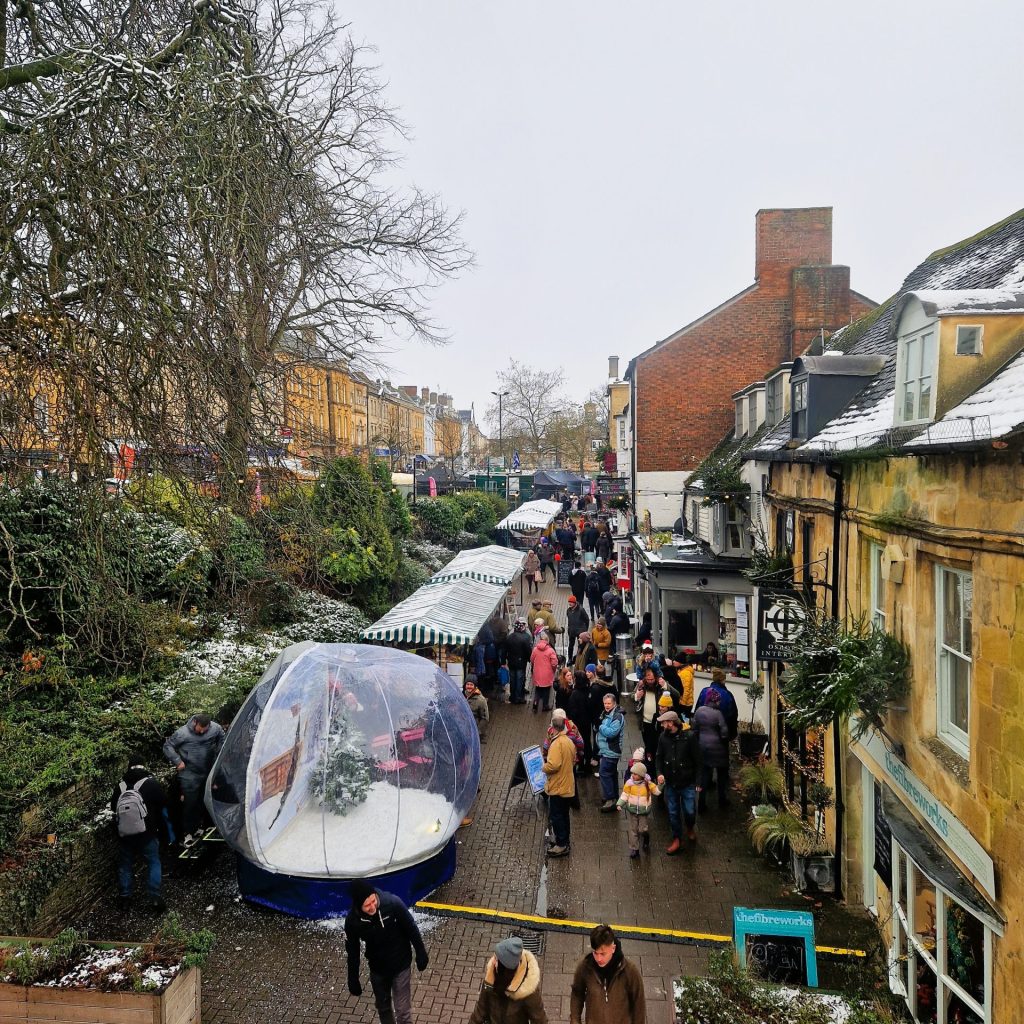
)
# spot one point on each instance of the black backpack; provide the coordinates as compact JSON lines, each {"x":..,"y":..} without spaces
{"x":594,"y":587}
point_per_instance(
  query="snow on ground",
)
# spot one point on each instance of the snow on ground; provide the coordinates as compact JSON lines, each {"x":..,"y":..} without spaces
{"x":392,"y":826}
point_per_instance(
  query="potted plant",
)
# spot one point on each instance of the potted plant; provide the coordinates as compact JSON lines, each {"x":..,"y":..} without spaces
{"x":813,"y":861}
{"x":774,"y":834}
{"x":752,"y":736}
{"x":69,"y":978}
{"x":762,"y":781}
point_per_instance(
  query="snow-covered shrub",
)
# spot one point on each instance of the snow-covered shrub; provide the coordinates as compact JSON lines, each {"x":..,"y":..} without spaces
{"x":431,"y":556}
{"x":325,"y":620}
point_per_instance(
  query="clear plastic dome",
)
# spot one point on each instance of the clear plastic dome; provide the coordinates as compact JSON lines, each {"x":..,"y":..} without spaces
{"x":346,"y":761}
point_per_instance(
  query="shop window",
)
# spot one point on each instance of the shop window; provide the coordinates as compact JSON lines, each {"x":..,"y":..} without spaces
{"x":682,"y":629}
{"x":877,"y":586}
{"x":940,"y":953}
{"x":953,"y":611}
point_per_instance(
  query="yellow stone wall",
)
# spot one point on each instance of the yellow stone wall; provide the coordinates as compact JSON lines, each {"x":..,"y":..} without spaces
{"x":618,"y":399}
{"x":960,"y":376}
{"x":962,"y":512}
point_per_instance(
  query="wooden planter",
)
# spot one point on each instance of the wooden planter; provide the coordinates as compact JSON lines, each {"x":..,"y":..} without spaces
{"x":177,"y":1004}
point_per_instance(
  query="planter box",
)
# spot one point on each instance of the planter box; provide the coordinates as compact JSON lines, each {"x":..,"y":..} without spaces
{"x":816,"y":873}
{"x":752,"y":744}
{"x":177,"y":1004}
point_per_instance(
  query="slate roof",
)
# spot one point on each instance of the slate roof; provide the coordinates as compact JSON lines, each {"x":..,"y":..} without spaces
{"x":992,"y":259}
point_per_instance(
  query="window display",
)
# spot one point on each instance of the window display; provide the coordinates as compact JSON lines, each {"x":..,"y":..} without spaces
{"x":346,"y":761}
{"x":939,"y":950}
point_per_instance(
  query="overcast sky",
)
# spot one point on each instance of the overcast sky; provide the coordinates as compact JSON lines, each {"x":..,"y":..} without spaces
{"x":610,"y":156}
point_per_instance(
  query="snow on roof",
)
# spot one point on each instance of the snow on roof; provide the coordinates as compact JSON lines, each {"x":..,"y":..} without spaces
{"x":856,"y":425}
{"x":1000,"y":401}
{"x":992,"y":261}
{"x":946,"y":301}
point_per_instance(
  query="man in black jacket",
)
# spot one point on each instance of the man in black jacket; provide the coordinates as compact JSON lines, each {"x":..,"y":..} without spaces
{"x":383,"y":922}
{"x":140,"y":821}
{"x":678,"y":765}
{"x":518,"y":648}
{"x":577,"y":622}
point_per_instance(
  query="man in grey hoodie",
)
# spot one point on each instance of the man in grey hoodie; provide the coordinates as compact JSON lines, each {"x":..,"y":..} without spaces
{"x":192,"y":750}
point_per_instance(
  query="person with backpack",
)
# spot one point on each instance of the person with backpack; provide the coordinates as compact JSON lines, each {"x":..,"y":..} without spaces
{"x":594,"y":594}
{"x":139,"y":803}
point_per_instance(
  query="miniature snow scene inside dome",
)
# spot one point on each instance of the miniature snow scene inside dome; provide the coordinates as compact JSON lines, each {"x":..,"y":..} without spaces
{"x":346,"y":761}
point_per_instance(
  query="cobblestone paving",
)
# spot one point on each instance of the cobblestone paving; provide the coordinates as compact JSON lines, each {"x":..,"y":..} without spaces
{"x":268,"y":967}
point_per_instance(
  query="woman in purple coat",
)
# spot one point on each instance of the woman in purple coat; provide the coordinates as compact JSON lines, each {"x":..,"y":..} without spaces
{"x":713,"y":736}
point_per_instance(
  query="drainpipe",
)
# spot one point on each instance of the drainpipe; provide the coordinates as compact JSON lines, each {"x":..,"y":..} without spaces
{"x":835,"y":473}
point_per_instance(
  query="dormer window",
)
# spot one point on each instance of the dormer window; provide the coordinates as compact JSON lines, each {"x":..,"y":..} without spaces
{"x":752,"y":412}
{"x":739,"y":418}
{"x":968,"y":339}
{"x":915,"y":376}
{"x":798,"y":402}
{"x":774,"y":407}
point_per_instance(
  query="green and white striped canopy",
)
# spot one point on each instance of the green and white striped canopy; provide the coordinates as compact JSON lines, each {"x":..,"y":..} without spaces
{"x":447,"y":612}
{"x":531,"y":515}
{"x":491,"y":564}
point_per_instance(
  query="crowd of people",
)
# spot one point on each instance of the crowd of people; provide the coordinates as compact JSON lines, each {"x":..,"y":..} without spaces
{"x":606,"y":988}
{"x":572,"y":671}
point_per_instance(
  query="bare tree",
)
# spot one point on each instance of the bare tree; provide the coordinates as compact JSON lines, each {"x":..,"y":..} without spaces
{"x":532,"y":401}
{"x":192,"y":185}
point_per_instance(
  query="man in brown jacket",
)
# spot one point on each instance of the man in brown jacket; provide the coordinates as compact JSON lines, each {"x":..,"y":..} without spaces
{"x":607,"y":985}
{"x":561,"y":783}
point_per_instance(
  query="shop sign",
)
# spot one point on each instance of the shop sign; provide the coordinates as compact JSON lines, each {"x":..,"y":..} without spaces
{"x":950,"y":830}
{"x":781,"y":617}
{"x":612,"y":485}
{"x":780,"y":942}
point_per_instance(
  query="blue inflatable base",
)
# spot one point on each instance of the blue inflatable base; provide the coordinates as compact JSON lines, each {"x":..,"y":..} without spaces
{"x":317,"y":898}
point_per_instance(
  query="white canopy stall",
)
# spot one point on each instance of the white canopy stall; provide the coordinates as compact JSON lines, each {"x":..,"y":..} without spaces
{"x":530,"y":520}
{"x":491,"y":564}
{"x":446,"y":612}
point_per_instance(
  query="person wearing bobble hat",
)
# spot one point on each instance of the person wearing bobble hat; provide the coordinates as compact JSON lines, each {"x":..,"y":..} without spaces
{"x":636,"y":802}
{"x":511,"y":990}
{"x":383,"y":923}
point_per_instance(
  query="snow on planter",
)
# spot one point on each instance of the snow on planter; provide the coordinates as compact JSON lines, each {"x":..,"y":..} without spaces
{"x":345,"y":761}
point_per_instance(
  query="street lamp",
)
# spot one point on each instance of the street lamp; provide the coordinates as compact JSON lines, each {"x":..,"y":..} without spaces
{"x":501,"y":442}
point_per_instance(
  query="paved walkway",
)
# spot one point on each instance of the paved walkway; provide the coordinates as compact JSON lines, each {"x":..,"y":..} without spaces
{"x":268,"y":967}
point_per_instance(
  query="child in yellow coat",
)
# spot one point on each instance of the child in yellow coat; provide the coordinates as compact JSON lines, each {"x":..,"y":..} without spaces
{"x":636,"y":802}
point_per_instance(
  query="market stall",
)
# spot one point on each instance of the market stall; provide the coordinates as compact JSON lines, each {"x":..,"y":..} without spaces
{"x":491,"y":564}
{"x":524,"y":525}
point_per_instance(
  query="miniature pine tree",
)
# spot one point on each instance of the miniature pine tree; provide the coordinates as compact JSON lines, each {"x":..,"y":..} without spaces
{"x":342,"y":775}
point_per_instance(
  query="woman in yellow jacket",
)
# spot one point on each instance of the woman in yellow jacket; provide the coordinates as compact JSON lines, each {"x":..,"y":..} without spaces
{"x":601,"y":638}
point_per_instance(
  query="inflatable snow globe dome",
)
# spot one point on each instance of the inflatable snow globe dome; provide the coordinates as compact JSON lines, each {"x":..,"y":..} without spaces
{"x":346,"y":761}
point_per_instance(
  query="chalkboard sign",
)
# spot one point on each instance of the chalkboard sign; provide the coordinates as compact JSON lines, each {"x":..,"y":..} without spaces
{"x":883,"y":840}
{"x":528,"y":769}
{"x":779,"y":942}
{"x":563,"y":572}
{"x":777,"y":958}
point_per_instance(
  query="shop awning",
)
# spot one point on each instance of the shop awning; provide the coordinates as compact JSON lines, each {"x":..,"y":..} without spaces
{"x":491,"y":564}
{"x":531,"y":515}
{"x":914,"y":838}
{"x":447,"y":612}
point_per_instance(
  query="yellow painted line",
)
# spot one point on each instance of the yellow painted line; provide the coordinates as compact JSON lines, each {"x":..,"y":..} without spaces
{"x":839,"y":951}
{"x":562,"y":922}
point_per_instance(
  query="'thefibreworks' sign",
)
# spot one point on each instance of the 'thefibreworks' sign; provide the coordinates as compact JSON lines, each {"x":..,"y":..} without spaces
{"x":949,"y":828}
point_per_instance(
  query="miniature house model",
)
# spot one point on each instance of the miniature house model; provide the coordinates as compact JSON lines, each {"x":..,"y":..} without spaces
{"x":346,"y":761}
